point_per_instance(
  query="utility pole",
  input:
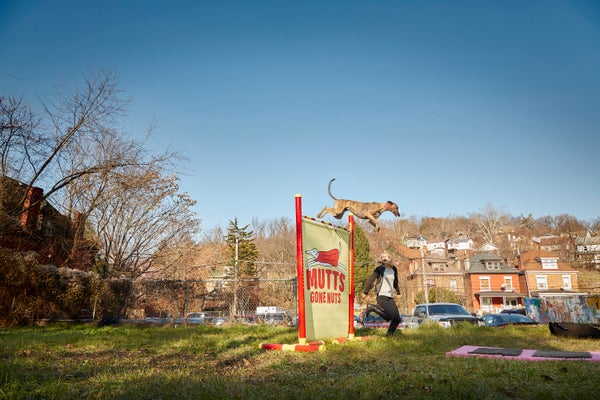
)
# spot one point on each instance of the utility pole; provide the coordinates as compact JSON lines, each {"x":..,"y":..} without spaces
{"x":235,"y":280}
{"x":425,"y":289}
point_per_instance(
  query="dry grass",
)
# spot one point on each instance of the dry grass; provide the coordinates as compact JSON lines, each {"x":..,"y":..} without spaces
{"x":589,"y":281}
{"x":126,"y":362}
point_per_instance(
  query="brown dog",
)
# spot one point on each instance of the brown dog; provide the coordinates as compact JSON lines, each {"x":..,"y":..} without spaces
{"x":370,"y":211}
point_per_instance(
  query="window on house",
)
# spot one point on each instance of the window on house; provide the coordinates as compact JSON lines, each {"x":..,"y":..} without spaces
{"x":484,"y":283}
{"x":566,"y":282}
{"x":510,"y":303}
{"x":453,"y":285}
{"x":549,"y":263}
{"x":508,"y":283}
{"x":542,"y":281}
{"x":492,"y":265}
{"x":486,"y":303}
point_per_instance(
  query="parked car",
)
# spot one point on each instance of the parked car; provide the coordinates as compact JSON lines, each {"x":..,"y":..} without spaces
{"x":521,"y":311}
{"x":157,"y":320}
{"x":504,"y":319}
{"x":444,"y":314}
{"x":274,"y":318}
{"x":192,"y":318}
{"x":219,"y":321}
{"x":372,"y":320}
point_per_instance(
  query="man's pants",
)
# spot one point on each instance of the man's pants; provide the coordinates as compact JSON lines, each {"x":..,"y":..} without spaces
{"x":389,"y":312}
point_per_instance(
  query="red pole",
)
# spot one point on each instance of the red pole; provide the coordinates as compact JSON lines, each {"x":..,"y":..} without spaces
{"x":300,"y":273}
{"x":351,"y":277}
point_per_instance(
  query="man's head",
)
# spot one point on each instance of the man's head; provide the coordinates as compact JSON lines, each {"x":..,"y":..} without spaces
{"x":385,"y":258}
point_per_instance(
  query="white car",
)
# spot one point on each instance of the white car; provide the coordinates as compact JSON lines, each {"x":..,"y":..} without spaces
{"x":445,"y":314}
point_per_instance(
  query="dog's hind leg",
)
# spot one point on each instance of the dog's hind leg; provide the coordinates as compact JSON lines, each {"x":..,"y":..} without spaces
{"x":332,"y":211}
{"x":325,"y":210}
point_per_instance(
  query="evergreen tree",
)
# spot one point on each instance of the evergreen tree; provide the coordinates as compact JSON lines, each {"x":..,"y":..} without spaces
{"x":243,"y":256}
{"x":247,"y":253}
{"x":363,"y":264}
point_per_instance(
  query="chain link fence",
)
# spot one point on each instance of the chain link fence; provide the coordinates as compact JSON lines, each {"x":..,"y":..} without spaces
{"x":239,"y":299}
{"x":236,"y":300}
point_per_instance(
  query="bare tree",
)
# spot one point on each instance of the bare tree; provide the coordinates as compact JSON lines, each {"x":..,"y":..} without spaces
{"x":17,"y":139}
{"x":77,"y":152}
{"x":490,"y":222}
{"x":595,"y":226}
{"x":140,"y":222}
{"x":434,"y":228}
{"x":276,"y":243}
{"x":38,"y":149}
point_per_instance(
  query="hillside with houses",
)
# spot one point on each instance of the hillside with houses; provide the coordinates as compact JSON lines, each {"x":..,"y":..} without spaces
{"x":485,"y":282}
{"x":547,"y":257}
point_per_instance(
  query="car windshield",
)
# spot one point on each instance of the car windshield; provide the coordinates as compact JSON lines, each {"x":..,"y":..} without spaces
{"x":444,"y":309}
{"x":515,"y":318}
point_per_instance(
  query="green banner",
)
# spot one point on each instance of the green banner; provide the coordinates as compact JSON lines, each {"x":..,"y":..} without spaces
{"x":326,"y":255}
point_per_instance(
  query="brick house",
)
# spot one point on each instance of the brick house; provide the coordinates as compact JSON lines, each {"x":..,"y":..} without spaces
{"x":544,"y":275}
{"x":407,"y":260}
{"x":29,"y":223}
{"x":492,"y":284}
{"x":434,"y":271}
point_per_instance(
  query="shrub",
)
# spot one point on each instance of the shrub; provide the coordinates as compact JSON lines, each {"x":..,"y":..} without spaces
{"x":30,"y":292}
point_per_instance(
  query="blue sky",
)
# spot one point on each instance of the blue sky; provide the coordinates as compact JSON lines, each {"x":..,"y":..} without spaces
{"x":440,"y":106}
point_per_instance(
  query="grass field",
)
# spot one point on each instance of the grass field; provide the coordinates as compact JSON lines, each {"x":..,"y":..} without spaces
{"x":204,"y":362}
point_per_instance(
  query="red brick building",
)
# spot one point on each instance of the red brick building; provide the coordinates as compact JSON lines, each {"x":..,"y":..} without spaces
{"x":493,"y":285}
{"x":29,"y":223}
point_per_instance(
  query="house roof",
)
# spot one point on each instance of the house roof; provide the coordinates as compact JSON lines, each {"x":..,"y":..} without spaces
{"x":407,"y":252}
{"x":531,"y":261}
{"x":449,"y":269}
{"x":538,"y":239}
{"x":477,"y":264}
{"x":460,"y":240}
{"x":416,"y":238}
{"x":488,"y":247}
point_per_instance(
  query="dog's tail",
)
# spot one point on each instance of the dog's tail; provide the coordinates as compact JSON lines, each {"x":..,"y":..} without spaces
{"x":329,"y":189}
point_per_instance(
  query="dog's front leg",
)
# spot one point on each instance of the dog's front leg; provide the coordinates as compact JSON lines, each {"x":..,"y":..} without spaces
{"x":373,"y":221}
